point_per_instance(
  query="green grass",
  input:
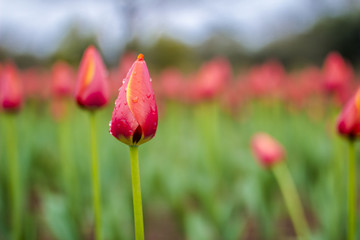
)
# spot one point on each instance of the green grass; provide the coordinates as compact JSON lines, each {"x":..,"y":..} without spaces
{"x":198,"y":168}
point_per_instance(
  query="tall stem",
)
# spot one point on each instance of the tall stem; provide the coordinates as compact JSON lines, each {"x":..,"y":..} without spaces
{"x":292,"y":199}
{"x":95,"y":177}
{"x":13,"y":158}
{"x":135,"y":176}
{"x":351,"y":192}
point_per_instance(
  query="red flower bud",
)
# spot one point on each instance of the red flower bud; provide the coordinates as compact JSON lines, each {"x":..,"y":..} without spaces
{"x":135,"y":117}
{"x":348,"y":123}
{"x":337,"y":73}
{"x":266,"y":149}
{"x":11,"y":92}
{"x":62,"y":80}
{"x":92,"y":87}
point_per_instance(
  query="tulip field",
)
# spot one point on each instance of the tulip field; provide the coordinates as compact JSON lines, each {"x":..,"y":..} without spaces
{"x":259,"y":153}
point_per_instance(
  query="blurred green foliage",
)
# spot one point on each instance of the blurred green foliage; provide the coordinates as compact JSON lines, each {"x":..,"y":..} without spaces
{"x":198,"y":175}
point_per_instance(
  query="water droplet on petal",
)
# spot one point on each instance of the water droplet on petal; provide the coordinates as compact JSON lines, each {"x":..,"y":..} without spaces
{"x":110,"y":124}
{"x":123,"y":81}
{"x":135,"y":99}
{"x":150,"y":79}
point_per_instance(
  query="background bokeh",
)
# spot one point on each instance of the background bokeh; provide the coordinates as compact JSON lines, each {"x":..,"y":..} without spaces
{"x":221,"y":71}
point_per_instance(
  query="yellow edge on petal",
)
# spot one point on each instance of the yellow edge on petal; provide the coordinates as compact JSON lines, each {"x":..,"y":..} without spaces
{"x":89,"y":72}
{"x":357,"y":100}
{"x":128,"y":99}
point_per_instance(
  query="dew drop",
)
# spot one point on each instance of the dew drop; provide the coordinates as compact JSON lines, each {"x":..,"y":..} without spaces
{"x":135,"y":99}
{"x":153,"y":109}
{"x":123,"y":81}
{"x":110,"y":124}
{"x":150,"y":79}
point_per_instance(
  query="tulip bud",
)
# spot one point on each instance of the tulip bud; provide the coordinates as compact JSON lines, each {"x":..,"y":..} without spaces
{"x":92,"y":87}
{"x":62,"y":80}
{"x":337,"y":73}
{"x":11,"y":93}
{"x":266,"y":149}
{"x":135,"y":117}
{"x":348,"y":123}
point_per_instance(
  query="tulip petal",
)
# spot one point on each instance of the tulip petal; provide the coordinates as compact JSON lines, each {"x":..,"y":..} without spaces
{"x":11,"y":94}
{"x":141,"y":100}
{"x":123,"y":123}
{"x":134,"y":119}
{"x":92,"y":87}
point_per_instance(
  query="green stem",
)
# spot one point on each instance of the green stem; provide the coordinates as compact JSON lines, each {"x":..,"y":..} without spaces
{"x":11,"y":137}
{"x":292,"y":200}
{"x":135,"y":176}
{"x":351,"y":192}
{"x":95,"y":177}
{"x":64,"y":156}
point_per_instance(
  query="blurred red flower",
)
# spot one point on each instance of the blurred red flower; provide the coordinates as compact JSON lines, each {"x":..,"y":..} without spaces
{"x":11,"y":91}
{"x":91,"y":91}
{"x":266,"y":149}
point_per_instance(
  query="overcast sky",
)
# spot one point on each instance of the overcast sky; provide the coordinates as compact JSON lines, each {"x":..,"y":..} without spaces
{"x":38,"y":26}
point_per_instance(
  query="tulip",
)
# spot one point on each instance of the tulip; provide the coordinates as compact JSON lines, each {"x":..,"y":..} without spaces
{"x":266,"y":80}
{"x":91,"y":90}
{"x":338,"y":76}
{"x":337,"y":73}
{"x":271,"y":155}
{"x":211,"y":79}
{"x":11,"y":99}
{"x":348,"y":125}
{"x":91,"y":93}
{"x":11,"y":93}
{"x":61,"y":88}
{"x":134,"y":122}
{"x":62,"y":77}
{"x":135,"y":117}
{"x":172,"y":83}
{"x":266,"y":149}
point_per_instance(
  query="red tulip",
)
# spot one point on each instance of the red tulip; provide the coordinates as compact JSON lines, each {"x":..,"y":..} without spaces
{"x":62,"y":77}
{"x":348,"y":123}
{"x":92,"y":87}
{"x":211,"y":79}
{"x":267,"y":79}
{"x":172,"y":83}
{"x":11,"y":92}
{"x":266,"y":149}
{"x":337,"y":73}
{"x":135,"y":117}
